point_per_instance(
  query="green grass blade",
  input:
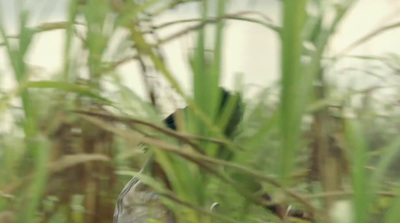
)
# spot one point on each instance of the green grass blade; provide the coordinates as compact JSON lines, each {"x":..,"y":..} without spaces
{"x":294,"y":16}
{"x":66,"y":86}
{"x":37,"y":187}
{"x":358,"y":150}
{"x":393,"y":214}
{"x":72,"y":13}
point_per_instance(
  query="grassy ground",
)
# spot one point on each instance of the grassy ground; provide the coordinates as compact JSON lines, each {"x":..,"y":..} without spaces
{"x":328,"y":152}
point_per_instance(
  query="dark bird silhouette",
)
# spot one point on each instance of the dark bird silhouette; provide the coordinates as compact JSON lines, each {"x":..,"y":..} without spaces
{"x":235,"y":118}
{"x":232,"y":125}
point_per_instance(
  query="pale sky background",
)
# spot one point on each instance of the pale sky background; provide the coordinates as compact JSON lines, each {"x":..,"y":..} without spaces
{"x":249,"y":48}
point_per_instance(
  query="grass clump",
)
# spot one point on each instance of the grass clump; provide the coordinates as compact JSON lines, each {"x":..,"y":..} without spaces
{"x":74,"y":139}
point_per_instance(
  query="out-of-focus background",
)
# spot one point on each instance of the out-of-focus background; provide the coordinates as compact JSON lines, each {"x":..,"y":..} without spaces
{"x":250,"y":48}
{"x":320,"y":104}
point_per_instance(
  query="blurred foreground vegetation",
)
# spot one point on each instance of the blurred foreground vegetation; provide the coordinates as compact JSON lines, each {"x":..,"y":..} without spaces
{"x":75,"y":138}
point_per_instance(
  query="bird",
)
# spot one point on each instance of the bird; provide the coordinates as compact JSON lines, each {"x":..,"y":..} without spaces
{"x":137,"y":202}
{"x":230,"y":130}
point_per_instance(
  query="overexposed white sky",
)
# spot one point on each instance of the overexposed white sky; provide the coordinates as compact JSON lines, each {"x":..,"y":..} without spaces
{"x":249,"y":48}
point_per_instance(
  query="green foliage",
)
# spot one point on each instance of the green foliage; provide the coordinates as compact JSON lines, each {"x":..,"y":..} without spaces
{"x":72,"y":141}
